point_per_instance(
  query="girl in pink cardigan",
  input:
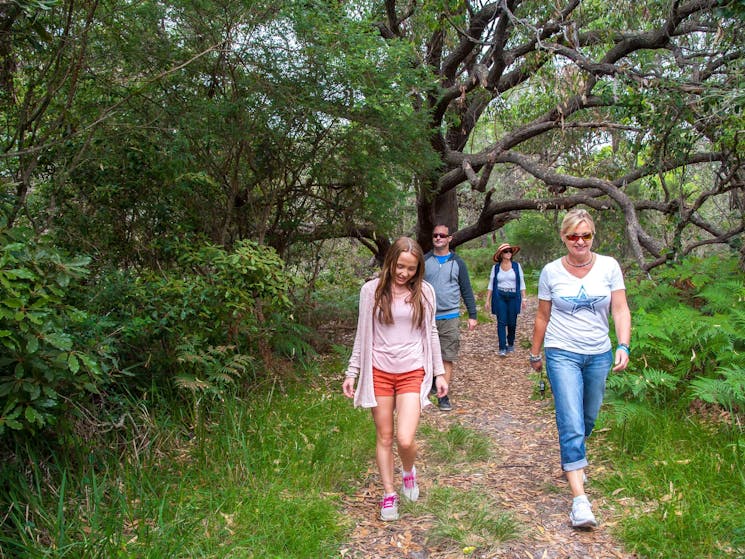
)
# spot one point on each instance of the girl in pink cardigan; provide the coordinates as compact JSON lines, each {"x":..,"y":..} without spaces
{"x":395,"y":356}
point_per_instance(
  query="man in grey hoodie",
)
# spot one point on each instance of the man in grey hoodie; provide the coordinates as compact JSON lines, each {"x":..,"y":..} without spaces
{"x":448,"y":274}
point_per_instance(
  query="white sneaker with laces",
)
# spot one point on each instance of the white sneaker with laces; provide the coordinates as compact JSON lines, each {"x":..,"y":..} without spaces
{"x":389,"y":507}
{"x":581,"y":515}
{"x":410,"y":486}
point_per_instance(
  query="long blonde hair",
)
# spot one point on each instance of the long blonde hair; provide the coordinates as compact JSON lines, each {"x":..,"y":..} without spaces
{"x":384,"y":294}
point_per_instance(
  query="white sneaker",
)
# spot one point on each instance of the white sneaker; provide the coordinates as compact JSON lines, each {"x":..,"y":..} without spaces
{"x":410,"y":487}
{"x":581,"y":515}
{"x":389,"y":507}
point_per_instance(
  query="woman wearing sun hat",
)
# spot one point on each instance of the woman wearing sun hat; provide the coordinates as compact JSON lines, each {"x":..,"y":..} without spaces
{"x":505,"y":295}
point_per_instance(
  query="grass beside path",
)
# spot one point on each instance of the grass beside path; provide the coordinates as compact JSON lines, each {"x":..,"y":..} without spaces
{"x":265,"y":478}
{"x":680,"y":483}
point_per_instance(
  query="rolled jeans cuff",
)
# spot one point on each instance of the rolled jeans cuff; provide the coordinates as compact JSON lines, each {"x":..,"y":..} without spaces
{"x":578,"y":465}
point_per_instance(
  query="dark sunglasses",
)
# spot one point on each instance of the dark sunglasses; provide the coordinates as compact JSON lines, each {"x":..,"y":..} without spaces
{"x":507,"y":250}
{"x":575,"y":237}
{"x":440,"y":235}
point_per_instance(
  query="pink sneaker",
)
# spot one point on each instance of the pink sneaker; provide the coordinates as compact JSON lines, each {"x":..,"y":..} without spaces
{"x":389,"y":507}
{"x":411,"y":489}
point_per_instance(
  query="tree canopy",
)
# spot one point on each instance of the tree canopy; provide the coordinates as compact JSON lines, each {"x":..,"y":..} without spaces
{"x":127,"y":124}
{"x":636,"y":107}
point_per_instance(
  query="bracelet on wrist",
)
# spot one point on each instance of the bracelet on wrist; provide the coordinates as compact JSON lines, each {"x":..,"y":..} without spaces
{"x":624,"y":347}
{"x":535,"y":358}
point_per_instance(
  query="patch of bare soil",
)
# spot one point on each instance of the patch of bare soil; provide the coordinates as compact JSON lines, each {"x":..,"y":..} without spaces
{"x":494,"y":396}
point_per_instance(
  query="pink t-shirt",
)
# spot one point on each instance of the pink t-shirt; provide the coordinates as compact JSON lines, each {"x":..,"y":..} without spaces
{"x":397,"y":347}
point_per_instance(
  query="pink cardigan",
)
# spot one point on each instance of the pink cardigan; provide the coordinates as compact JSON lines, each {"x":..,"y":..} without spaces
{"x":360,"y":363}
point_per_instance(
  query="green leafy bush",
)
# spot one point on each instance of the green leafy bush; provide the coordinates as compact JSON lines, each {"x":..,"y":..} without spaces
{"x":208,"y":321}
{"x":47,"y":359}
{"x":687,"y":336}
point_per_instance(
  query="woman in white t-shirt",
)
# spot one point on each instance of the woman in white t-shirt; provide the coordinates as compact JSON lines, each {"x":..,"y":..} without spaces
{"x":505,"y":295}
{"x":576,"y":294}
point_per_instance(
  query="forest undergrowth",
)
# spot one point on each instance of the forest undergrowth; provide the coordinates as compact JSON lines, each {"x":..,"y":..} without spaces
{"x":264,"y":471}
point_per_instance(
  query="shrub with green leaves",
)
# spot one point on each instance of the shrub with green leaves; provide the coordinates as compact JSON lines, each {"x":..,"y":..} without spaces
{"x":687,"y":336}
{"x":46,"y":361}
{"x":211,"y":317}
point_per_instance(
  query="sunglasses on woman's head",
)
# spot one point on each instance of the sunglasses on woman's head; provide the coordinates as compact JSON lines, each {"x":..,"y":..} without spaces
{"x":585,"y":237}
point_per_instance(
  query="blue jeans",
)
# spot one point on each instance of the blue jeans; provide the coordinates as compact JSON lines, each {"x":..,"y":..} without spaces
{"x":578,"y":385}
{"x":506,"y":303}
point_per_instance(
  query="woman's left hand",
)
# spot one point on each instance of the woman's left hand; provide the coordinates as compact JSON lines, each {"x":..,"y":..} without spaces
{"x":622,"y":360}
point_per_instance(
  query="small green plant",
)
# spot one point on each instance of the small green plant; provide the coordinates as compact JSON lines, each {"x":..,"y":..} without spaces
{"x":206,"y":373}
{"x":467,"y":519}
{"x":457,"y":445}
{"x":728,"y":390}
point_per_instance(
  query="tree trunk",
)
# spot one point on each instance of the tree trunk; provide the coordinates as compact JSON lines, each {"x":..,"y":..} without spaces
{"x":446,"y":210}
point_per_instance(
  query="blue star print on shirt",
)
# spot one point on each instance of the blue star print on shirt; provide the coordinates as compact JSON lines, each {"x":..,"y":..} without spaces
{"x":583,"y":301}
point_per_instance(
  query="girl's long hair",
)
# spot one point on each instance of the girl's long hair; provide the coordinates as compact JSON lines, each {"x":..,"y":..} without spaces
{"x":383,"y":293}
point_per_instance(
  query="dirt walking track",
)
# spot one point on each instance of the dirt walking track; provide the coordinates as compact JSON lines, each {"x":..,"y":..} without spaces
{"x":492,"y":395}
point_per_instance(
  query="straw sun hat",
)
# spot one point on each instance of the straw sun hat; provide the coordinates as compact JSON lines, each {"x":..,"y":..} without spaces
{"x":502,"y":248}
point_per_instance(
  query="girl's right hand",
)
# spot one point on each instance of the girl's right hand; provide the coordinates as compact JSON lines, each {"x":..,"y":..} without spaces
{"x":348,"y":387}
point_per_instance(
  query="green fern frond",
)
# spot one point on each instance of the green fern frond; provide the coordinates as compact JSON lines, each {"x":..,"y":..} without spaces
{"x":624,"y":411}
{"x":727,"y":390}
{"x":723,"y":296}
{"x":209,"y":369}
{"x":191,"y":383}
{"x":738,"y":317}
{"x":651,"y":385}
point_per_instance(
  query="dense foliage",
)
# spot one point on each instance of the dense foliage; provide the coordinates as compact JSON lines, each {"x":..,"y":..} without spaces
{"x":50,"y":357}
{"x":291,"y":122}
{"x":687,"y":338}
{"x":212,"y":320}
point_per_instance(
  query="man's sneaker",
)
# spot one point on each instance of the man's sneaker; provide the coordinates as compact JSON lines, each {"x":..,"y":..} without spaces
{"x":510,"y":349}
{"x":389,"y":507}
{"x":411,"y":489}
{"x":503,"y":353}
{"x":581,"y":515}
{"x":444,"y":404}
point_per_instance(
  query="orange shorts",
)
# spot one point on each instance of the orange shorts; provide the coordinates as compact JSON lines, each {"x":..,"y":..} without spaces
{"x":390,"y":384}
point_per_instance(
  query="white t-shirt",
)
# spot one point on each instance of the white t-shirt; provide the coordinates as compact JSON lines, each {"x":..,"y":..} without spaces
{"x":580,"y":307}
{"x":507,"y":280}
